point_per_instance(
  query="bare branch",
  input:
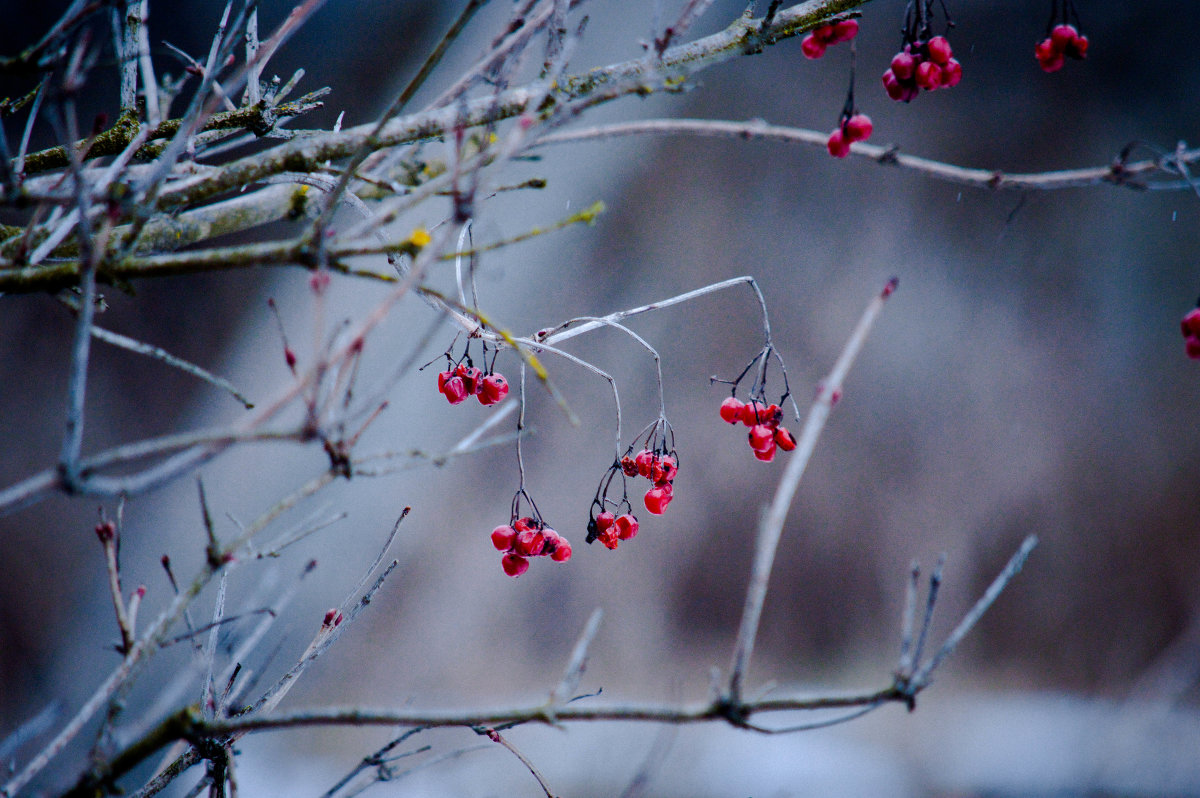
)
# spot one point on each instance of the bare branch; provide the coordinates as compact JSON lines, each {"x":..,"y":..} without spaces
{"x":578,"y":660}
{"x":125,"y":342}
{"x":771,"y":529}
{"x":1015,"y":563}
{"x":1130,"y":175}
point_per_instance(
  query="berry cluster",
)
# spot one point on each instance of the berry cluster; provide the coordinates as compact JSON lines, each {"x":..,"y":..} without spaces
{"x":766,"y":433}
{"x":660,"y":467}
{"x":851,"y":128}
{"x":815,"y":43}
{"x":1191,"y":333}
{"x":612,"y":520}
{"x":610,"y":529}
{"x":528,"y":537}
{"x":920,"y":65}
{"x":1064,"y":40}
{"x":465,"y":380}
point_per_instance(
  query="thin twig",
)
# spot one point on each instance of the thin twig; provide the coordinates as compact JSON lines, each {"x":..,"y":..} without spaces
{"x":935,"y":584}
{"x":577,"y":661}
{"x":1011,"y":569}
{"x":1129,"y":175}
{"x":156,"y":353}
{"x":208,"y":700}
{"x":908,"y":621}
{"x":497,"y":737}
{"x":771,"y":528}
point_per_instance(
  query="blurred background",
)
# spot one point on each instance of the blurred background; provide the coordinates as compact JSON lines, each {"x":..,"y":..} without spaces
{"x":1027,"y":378}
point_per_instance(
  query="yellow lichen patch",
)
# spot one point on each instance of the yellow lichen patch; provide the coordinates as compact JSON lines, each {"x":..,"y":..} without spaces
{"x":420,"y":238}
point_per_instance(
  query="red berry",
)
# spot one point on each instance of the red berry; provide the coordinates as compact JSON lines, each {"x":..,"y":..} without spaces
{"x":823,"y":33}
{"x":514,"y":564}
{"x":471,"y":378}
{"x":1052,"y":64}
{"x":761,"y":437}
{"x":812,"y":47}
{"x":951,"y":73}
{"x":858,"y":128}
{"x":939,"y":50}
{"x":731,"y":410}
{"x":455,"y":390}
{"x":1191,"y":323}
{"x":1048,"y":58}
{"x":751,"y":413}
{"x":530,"y":543}
{"x":1062,"y":36}
{"x":604,"y":520}
{"x":784,"y":439}
{"x":551,"y":541}
{"x":771,"y":415}
{"x":838,"y":145}
{"x":608,"y":538}
{"x":492,"y":389}
{"x":929,"y":75}
{"x":658,"y":497}
{"x":524,"y":524}
{"x":503,"y":536}
{"x":1078,"y":47}
{"x":843,"y":31}
{"x":663,"y":470}
{"x":443,"y":376}
{"x":1192,"y":347}
{"x":766,"y":455}
{"x":629,"y":466}
{"x":892,"y":85}
{"x":904,"y":66}
{"x":562,"y":551}
{"x":626,"y":526}
{"x":644,"y":460}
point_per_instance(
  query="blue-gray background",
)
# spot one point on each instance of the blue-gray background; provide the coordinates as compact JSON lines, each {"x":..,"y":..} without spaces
{"x":1028,"y":377}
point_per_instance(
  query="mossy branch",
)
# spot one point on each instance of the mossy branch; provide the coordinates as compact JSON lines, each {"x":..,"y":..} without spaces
{"x":259,"y":119}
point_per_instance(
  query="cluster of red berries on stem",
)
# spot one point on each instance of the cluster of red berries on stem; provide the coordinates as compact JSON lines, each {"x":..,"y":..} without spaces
{"x":657,"y":461}
{"x":527,"y":536}
{"x":1064,"y":40}
{"x":766,"y":434}
{"x":464,"y":379}
{"x":1191,"y":333}
{"x":920,"y":65}
{"x":821,"y":37}
{"x":660,"y":467}
{"x":925,"y":61}
{"x":610,"y":528}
